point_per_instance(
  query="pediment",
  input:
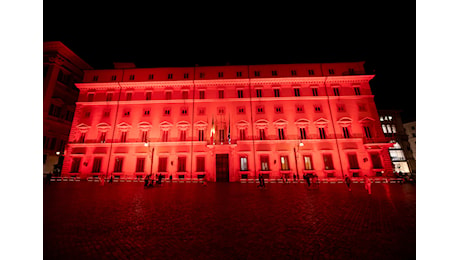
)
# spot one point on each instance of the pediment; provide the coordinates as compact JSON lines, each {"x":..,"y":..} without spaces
{"x":344,"y":121}
{"x":322,"y":122}
{"x":123,"y":126}
{"x":145,"y":126}
{"x":183,"y":125}
{"x":103,"y":127}
{"x":201,"y":125}
{"x":367,"y":120}
{"x":261,"y":123}
{"x":165,"y":125}
{"x":280,"y":123}
{"x":242,"y":124}
{"x":302,"y":122}
{"x":83,"y":127}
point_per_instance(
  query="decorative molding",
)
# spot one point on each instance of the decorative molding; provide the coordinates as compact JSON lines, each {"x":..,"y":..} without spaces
{"x":144,"y":126}
{"x":261,"y":124}
{"x":123,"y":126}
{"x":183,"y":125}
{"x":344,"y":121}
{"x":301,"y":123}
{"x":280,"y":123}
{"x":83,"y":127}
{"x":322,"y":122}
{"x":103,"y":127}
{"x":201,"y":125}
{"x":165,"y":126}
{"x":242,"y":124}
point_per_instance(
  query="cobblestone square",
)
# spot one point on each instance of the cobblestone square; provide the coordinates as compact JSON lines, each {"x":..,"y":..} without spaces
{"x":85,"y":220}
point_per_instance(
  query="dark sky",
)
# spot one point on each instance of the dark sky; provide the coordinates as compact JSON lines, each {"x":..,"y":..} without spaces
{"x":174,"y":34}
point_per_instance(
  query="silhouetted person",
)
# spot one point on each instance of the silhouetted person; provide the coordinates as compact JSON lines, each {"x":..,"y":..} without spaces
{"x":307,"y":178}
{"x":263,"y":180}
{"x":348,"y":182}
{"x":367,"y":184}
{"x":146,"y":181}
{"x":170,"y":177}
{"x":295,"y":177}
{"x":111,"y":179}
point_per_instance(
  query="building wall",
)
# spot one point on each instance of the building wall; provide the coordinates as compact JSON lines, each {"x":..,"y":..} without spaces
{"x":254,"y":98}
{"x":410,"y":130}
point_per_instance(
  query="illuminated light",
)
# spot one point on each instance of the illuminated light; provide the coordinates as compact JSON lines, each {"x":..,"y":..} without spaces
{"x":58,"y":153}
{"x":146,"y":144}
{"x":301,"y":144}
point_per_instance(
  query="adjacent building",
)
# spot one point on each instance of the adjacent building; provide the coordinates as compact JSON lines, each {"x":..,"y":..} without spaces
{"x":410,"y":130}
{"x":401,"y":153}
{"x":61,"y":68}
{"x":227,"y":123}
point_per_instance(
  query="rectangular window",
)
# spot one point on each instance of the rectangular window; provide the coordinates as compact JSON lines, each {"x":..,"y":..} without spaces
{"x":264,"y":165}
{"x":109,"y":96}
{"x":45,"y":142}
{"x":351,"y":71}
{"x":200,"y":135}
{"x":367,"y":132}
{"x":242,"y":134}
{"x":317,"y":108}
{"x":162,"y":163}
{"x":168,"y":95}
{"x":331,"y":71}
{"x":260,"y":109}
{"x":201,"y":75}
{"x":384,"y":129}
{"x":328,"y":164}
{"x":257,"y":73}
{"x":201,"y":111}
{"x":340,"y":108}
{"x":95,"y":78}
{"x":75,"y":164}
{"x":353,"y":161}
{"x":336,"y":91}
{"x":126,"y":113}
{"x":346,"y":134}
{"x":129,"y":96}
{"x":148,"y":95}
{"x":123,"y":137}
{"x":221,"y":94}
{"x":243,"y":163}
{"x":131,"y":77}
{"x":140,"y":164}
{"x":357,"y":91}
{"x":185,"y":75}
{"x":106,"y":114}
{"x":297,"y":92}
{"x":293,"y":72}
{"x":376,"y":162}
{"x":164,"y":137}
{"x":278,"y":109}
{"x":181,"y":164}
{"x":51,"y":111}
{"x":284,"y":163}
{"x":241,"y":110}
{"x":184,"y":111}
{"x":146,"y":112}
{"x":90,"y":97}
{"x":82,"y":138}
{"x":87,"y":114}
{"x":97,"y":165}
{"x":303,"y":133}
{"x":201,"y":94}
{"x":239,"y":74}
{"x":144,"y":136}
{"x":262,"y":134}
{"x":314,"y":91}
{"x":170,"y":76}
{"x":184,"y":94}
{"x":322,"y":133}
{"x":259,"y":92}
{"x":167,"y":111}
{"x":308,"y":162}
{"x":221,"y":110}
{"x":362,"y":108}
{"x":240,"y":93}
{"x":200,"y":164}
{"x":118,"y":165}
{"x":311,"y":72}
{"x":102,"y":137}
{"x":281,"y":133}
{"x":276,"y":92}
{"x":299,"y":108}
{"x":220,"y":74}
{"x":114,"y":77}
{"x":274,"y":73}
{"x":151,"y":76}
{"x":183,"y":135}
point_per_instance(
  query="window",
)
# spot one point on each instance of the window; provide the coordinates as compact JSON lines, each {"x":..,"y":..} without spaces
{"x":123,"y":136}
{"x":45,"y":142}
{"x":87,"y":114}
{"x":114,"y":77}
{"x":201,"y":94}
{"x":351,"y":71}
{"x":367,"y":132}
{"x":97,"y":164}
{"x":362,"y":107}
{"x":317,"y":108}
{"x":281,"y":133}
{"x":162,"y":163}
{"x":384,"y":129}
{"x":297,"y":92}
{"x":262,"y":134}
{"x":106,"y":114}
{"x":276,"y":92}
{"x":167,"y":111}
{"x":146,"y":112}
{"x":61,"y":145}
{"x":242,"y":134}
{"x":260,"y":109}
{"x":102,"y":137}
{"x":90,"y":97}
{"x":357,"y":91}
{"x":148,"y":95}
{"x":259,"y":92}
{"x":170,"y":76}
{"x":393,"y":127}
{"x":314,"y":91}
{"x":346,"y":134}
{"x":264,"y":165}
{"x":240,"y":93}
{"x":164,"y":137}
{"x":184,"y":94}
{"x":126,"y":113}
{"x":184,"y":111}
{"x":140,"y":162}
{"x":131,"y":77}
{"x":239,"y":74}
{"x":220,"y":74}
{"x":311,"y":72}
{"x":328,"y":164}
{"x":303,"y":133}
{"x":336,"y":91}
{"x":257,"y":73}
{"x":221,"y":110}
{"x":201,"y":75}
{"x":168,"y":95}
{"x":413,"y":135}
{"x":221,"y":94}
{"x":181,"y":164}
{"x":183,"y":134}
{"x":376,"y":162}
{"x":299,"y":108}
{"x":151,"y":76}
{"x":322,"y":133}
{"x":201,"y":111}
{"x":243,"y":163}
{"x":241,"y":110}
{"x":144,"y":136}
{"x":75,"y":164}
{"x":308,"y":162}
{"x":200,"y":164}
{"x":293,"y":72}
{"x":129,"y":96}
{"x":353,"y":161}
{"x":284,"y":163}
{"x":274,"y":73}
{"x":185,"y":75}
{"x":82,"y":138}
{"x":95,"y":78}
{"x":331,"y":71}
{"x":340,"y":108}
{"x":69,"y":116}
{"x":51,"y":111}
{"x":278,"y":109}
{"x":118,"y":165}
{"x":200,"y":135}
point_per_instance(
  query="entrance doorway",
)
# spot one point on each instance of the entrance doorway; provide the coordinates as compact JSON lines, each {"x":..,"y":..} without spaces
{"x":222,"y":173}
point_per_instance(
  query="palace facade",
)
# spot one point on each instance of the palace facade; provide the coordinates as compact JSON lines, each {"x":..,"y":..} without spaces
{"x":227,"y":123}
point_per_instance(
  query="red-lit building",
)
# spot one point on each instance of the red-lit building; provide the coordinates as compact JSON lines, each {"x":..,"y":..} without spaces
{"x":227,"y":123}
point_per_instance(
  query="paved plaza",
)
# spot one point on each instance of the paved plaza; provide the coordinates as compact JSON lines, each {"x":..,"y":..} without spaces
{"x":85,"y":220}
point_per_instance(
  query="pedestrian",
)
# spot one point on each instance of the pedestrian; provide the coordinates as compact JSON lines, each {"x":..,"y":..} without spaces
{"x":111,"y":178}
{"x":295,"y":178}
{"x":101,"y":179}
{"x":367,"y":184}
{"x":307,"y":178}
{"x":263,"y":180}
{"x":146,"y":181}
{"x":348,"y":182}
{"x":170,"y":178}
{"x":205,"y":183}
{"x":260,"y":181}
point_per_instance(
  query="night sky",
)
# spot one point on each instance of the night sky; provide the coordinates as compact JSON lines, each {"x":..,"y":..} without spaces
{"x":213,"y":34}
